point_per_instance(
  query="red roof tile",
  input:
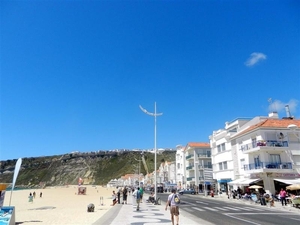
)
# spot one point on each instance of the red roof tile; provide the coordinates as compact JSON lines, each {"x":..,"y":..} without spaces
{"x":271,"y":124}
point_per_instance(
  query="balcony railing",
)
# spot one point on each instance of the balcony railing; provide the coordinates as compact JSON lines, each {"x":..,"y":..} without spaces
{"x":189,"y":156}
{"x":189,"y":167}
{"x":268,"y":165}
{"x":268,"y":143}
{"x":204,"y":155}
{"x":206,"y":166}
{"x":190,"y":178}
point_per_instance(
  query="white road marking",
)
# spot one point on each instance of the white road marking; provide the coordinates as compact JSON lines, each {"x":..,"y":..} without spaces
{"x":220,"y":208}
{"x":254,"y":209}
{"x":198,"y":209}
{"x":202,"y":202}
{"x":294,"y":219}
{"x":247,"y":221}
{"x":230,"y":208}
{"x":211,"y":209}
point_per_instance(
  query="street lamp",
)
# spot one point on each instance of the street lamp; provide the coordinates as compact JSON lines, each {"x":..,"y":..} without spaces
{"x":139,"y":175}
{"x":155,"y":153}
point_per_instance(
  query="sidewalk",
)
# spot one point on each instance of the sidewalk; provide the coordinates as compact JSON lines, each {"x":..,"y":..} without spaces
{"x":148,"y":214}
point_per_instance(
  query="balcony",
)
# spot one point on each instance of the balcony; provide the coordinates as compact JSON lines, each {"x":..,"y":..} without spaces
{"x":204,"y":155}
{"x":269,"y":167}
{"x":190,"y":178}
{"x":269,"y":145}
{"x":206,"y":166}
{"x":190,"y":167}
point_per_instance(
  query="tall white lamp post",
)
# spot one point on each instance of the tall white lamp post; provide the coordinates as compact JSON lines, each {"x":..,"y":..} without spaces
{"x":293,"y":128}
{"x":155,"y":114}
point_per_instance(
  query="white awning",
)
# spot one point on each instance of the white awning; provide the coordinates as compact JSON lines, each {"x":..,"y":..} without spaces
{"x":247,"y":182}
{"x":243,"y":181}
{"x":288,"y":181}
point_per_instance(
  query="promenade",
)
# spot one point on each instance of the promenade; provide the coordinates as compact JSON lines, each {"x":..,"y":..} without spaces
{"x":149,"y":214}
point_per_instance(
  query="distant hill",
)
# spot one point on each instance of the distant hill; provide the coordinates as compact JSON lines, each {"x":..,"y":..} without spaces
{"x":94,"y":168}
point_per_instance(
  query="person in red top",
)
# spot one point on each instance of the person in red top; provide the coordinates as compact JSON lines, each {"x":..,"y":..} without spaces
{"x":282,"y":194}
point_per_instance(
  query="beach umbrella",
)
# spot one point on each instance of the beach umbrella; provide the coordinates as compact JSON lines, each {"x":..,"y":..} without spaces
{"x":293,"y":187}
{"x":255,"y":187}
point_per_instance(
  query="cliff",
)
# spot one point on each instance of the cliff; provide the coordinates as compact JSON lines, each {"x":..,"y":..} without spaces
{"x":94,"y":168}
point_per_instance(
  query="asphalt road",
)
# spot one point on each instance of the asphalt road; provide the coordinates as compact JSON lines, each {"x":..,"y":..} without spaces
{"x":222,"y":212}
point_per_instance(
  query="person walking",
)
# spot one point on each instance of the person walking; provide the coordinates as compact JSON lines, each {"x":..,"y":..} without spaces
{"x":142,"y":193}
{"x":136,"y":194}
{"x":124,"y":195}
{"x":119,"y":195}
{"x":282,"y":194}
{"x":174,"y":207}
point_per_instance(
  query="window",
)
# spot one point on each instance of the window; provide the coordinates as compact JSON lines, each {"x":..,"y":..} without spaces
{"x":275,"y":158}
{"x":220,"y":166}
{"x":221,"y":147}
{"x":242,"y":162}
{"x":225,"y":165}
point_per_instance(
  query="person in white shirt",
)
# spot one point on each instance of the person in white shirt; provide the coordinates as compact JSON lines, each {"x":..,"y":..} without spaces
{"x":137,"y":195}
{"x":174,"y":207}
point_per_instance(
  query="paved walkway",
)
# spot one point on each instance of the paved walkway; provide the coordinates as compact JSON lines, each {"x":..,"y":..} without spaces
{"x":148,"y":214}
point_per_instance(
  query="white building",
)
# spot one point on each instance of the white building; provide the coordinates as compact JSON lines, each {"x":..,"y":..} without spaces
{"x":198,"y":166}
{"x":180,"y":167}
{"x":263,"y":151}
{"x":225,"y":169}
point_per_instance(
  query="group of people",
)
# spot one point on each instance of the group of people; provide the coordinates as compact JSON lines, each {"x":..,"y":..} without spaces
{"x":262,"y":195}
{"x":116,"y":198}
{"x":32,"y":196}
{"x":138,"y":195}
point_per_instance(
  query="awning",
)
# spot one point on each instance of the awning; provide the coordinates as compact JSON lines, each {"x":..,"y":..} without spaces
{"x":236,"y":182}
{"x":247,"y":182}
{"x":243,"y":181}
{"x":224,"y":180}
{"x":288,"y":181}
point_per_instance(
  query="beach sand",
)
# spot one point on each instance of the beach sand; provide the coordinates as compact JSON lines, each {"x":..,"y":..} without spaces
{"x":60,"y":205}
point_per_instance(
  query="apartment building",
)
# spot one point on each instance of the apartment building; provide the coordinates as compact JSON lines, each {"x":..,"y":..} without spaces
{"x":225,"y":169}
{"x":180,"y":167}
{"x":263,"y":150}
{"x":198,"y":166}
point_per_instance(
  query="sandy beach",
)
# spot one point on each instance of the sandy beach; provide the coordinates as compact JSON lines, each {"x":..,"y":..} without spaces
{"x":60,"y":205}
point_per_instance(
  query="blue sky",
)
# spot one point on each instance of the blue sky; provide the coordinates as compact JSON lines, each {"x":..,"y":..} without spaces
{"x":73,"y":73}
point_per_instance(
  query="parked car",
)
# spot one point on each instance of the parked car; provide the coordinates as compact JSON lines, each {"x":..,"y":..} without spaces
{"x":187,"y":191}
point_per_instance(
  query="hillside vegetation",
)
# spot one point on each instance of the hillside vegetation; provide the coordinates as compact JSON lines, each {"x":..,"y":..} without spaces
{"x":93,"y":168}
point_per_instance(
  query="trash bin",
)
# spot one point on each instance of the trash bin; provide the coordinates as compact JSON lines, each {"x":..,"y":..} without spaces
{"x":91,"y":207}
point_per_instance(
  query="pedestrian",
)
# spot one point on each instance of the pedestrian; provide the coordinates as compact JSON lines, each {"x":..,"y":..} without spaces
{"x":119,"y":195}
{"x":41,"y":194}
{"x":124,"y":195}
{"x":282,"y":194}
{"x":114,"y":198}
{"x":142,"y":193}
{"x":136,"y":194}
{"x":34,"y":194}
{"x":174,"y":206}
{"x":30,"y":198}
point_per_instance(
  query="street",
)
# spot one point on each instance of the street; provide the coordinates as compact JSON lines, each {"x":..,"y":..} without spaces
{"x":216,"y":211}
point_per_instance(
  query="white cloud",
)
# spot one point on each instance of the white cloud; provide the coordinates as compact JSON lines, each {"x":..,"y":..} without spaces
{"x":254,"y":58}
{"x":278,"y":106}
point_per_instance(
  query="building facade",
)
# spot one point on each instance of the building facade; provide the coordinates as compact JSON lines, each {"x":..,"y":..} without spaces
{"x":198,"y":166}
